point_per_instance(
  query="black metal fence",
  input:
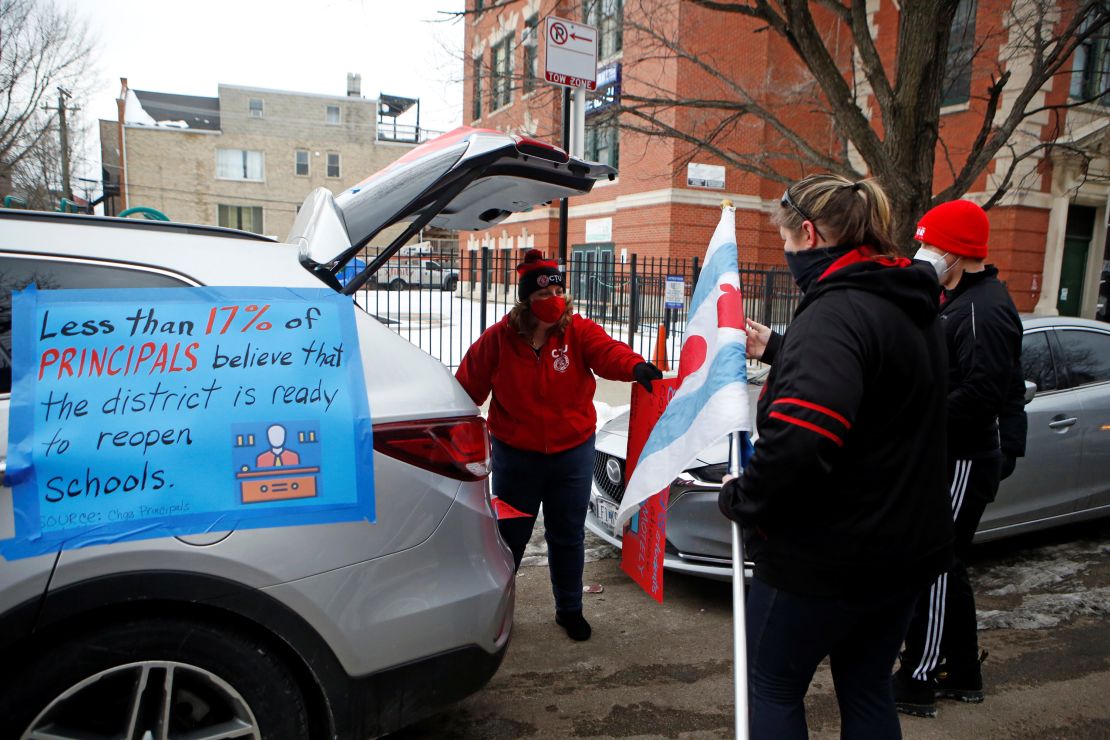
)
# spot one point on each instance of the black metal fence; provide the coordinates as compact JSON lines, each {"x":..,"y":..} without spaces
{"x":441,"y":301}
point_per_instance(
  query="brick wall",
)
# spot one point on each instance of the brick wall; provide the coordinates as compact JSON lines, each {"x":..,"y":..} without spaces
{"x":655,"y":213}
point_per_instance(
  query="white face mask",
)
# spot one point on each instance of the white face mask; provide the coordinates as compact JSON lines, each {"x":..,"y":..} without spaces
{"x":936,"y":260}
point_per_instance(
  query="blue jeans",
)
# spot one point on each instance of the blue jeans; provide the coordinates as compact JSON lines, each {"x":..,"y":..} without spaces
{"x":790,"y":634}
{"x":561,"y":482}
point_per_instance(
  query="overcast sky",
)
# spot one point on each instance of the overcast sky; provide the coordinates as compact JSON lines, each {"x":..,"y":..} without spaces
{"x":306,"y":46}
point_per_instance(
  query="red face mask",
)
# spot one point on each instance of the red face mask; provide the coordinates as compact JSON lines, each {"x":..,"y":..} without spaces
{"x":550,"y":309}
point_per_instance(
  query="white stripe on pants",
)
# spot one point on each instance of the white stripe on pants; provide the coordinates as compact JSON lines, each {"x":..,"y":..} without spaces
{"x":938,"y":593}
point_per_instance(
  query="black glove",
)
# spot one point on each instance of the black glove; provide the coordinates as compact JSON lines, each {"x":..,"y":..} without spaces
{"x":726,"y":497}
{"x":1009,"y":462}
{"x":645,"y":372}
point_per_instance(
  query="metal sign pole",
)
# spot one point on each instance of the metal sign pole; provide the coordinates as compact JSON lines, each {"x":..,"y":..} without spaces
{"x":578,"y":124}
{"x":563,"y":212}
{"x":739,"y":632}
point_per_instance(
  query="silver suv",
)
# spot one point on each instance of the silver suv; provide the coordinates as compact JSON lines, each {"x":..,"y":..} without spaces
{"x":337,"y":630}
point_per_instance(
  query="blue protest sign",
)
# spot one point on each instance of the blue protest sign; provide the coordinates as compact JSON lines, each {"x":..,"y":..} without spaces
{"x":169,"y":411}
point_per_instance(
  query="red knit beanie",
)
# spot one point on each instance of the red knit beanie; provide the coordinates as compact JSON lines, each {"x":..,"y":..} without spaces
{"x":958,"y":226}
{"x":535,"y":273}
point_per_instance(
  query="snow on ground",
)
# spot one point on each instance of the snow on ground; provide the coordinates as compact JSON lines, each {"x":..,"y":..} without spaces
{"x":605,"y":412}
{"x":1042,"y":586}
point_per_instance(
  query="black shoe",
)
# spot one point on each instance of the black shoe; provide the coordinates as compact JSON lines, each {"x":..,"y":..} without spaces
{"x":962,"y":684}
{"x":914,"y":697}
{"x":575,"y":624}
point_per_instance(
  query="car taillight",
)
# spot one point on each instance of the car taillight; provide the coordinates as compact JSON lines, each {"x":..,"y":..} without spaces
{"x":457,"y":448}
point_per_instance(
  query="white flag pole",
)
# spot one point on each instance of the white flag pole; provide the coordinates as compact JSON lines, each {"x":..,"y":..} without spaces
{"x":739,"y":633}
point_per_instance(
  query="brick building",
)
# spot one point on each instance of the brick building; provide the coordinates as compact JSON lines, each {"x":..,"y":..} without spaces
{"x":247,"y":158}
{"x":1048,"y":233}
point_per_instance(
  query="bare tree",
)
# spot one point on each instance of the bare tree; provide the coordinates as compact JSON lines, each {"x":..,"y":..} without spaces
{"x":882,"y":109}
{"x":42,"y":47}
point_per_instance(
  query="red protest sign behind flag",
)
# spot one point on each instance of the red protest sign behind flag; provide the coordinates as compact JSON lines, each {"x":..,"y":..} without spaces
{"x":502,"y":510}
{"x":645,"y":536}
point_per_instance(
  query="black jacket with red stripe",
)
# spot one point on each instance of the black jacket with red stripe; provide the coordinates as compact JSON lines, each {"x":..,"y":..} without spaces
{"x":846,"y":490}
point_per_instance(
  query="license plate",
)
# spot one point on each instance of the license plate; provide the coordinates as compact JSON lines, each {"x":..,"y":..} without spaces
{"x":606,"y":512}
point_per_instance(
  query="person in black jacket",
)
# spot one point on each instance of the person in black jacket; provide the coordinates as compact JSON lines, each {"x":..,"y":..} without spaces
{"x":843,"y":500}
{"x":983,"y":334}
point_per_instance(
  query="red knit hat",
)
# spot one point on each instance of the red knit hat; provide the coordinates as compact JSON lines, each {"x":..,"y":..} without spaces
{"x":535,"y":273}
{"x":958,"y":226}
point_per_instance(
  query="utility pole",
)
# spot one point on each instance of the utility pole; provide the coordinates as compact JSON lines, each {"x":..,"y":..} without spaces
{"x":63,"y":134}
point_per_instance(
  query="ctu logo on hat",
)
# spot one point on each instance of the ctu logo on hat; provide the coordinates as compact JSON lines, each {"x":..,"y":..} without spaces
{"x":544,"y":280}
{"x":920,"y":233}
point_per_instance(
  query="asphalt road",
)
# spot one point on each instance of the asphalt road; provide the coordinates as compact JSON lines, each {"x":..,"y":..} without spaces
{"x":666,"y":671}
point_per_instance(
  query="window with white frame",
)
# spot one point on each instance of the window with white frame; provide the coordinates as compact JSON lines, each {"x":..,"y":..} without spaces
{"x":501,"y":69}
{"x":529,"y":42}
{"x":255,"y":107}
{"x":300,"y":166}
{"x":333,"y":164}
{"x":607,"y":16}
{"x":1090,"y":76}
{"x":956,"y":87}
{"x":331,"y":114}
{"x":244,"y":218}
{"x":239,"y":164}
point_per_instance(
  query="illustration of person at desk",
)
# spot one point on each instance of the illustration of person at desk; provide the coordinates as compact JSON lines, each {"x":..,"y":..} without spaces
{"x":277,"y":456}
{"x":278,"y":474}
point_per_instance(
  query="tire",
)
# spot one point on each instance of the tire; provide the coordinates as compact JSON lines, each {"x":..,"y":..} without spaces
{"x":397,"y":284}
{"x":450,"y":284}
{"x":211,"y":677}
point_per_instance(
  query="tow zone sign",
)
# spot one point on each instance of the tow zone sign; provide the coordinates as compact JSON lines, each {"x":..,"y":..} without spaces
{"x":570,"y":53}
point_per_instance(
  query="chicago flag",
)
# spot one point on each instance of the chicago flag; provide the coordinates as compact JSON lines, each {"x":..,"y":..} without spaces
{"x":711,"y":400}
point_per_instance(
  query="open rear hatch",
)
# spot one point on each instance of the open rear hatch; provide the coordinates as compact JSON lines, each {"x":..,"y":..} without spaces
{"x":468,"y":179}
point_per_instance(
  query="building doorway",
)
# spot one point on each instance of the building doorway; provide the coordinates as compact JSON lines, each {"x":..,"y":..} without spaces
{"x":592,"y":273}
{"x":1078,"y":233}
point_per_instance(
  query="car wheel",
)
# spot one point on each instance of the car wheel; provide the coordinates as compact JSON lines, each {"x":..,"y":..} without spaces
{"x":397,"y":284}
{"x":157,"y":678}
{"x":450,"y":284}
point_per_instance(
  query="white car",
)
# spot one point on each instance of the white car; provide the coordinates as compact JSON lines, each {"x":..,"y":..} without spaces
{"x":343,"y":630}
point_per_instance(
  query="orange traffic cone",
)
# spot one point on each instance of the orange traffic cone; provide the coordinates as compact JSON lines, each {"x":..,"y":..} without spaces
{"x":660,"y":359}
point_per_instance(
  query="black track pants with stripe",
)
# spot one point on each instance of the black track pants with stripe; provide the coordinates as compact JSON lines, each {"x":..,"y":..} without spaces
{"x":943,"y":626}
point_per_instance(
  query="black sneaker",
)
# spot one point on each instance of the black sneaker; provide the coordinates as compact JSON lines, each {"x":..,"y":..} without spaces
{"x":575,"y":624}
{"x":962,"y":684}
{"x":914,"y":697}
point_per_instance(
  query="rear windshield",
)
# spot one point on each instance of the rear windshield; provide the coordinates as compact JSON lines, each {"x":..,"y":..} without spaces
{"x":384,"y":198}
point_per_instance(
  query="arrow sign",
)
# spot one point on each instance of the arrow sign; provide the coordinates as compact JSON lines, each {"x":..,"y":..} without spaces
{"x":570,"y":53}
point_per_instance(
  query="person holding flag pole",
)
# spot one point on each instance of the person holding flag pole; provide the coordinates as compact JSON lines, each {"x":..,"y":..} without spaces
{"x":711,"y":402}
{"x":844,"y":499}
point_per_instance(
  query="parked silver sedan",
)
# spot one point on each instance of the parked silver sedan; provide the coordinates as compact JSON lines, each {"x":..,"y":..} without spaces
{"x":1064,"y":476}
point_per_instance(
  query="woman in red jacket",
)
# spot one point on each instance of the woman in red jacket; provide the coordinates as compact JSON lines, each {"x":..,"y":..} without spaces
{"x":539,"y":363}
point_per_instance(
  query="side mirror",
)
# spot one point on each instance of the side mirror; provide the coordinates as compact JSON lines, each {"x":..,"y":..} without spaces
{"x":1030,"y":390}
